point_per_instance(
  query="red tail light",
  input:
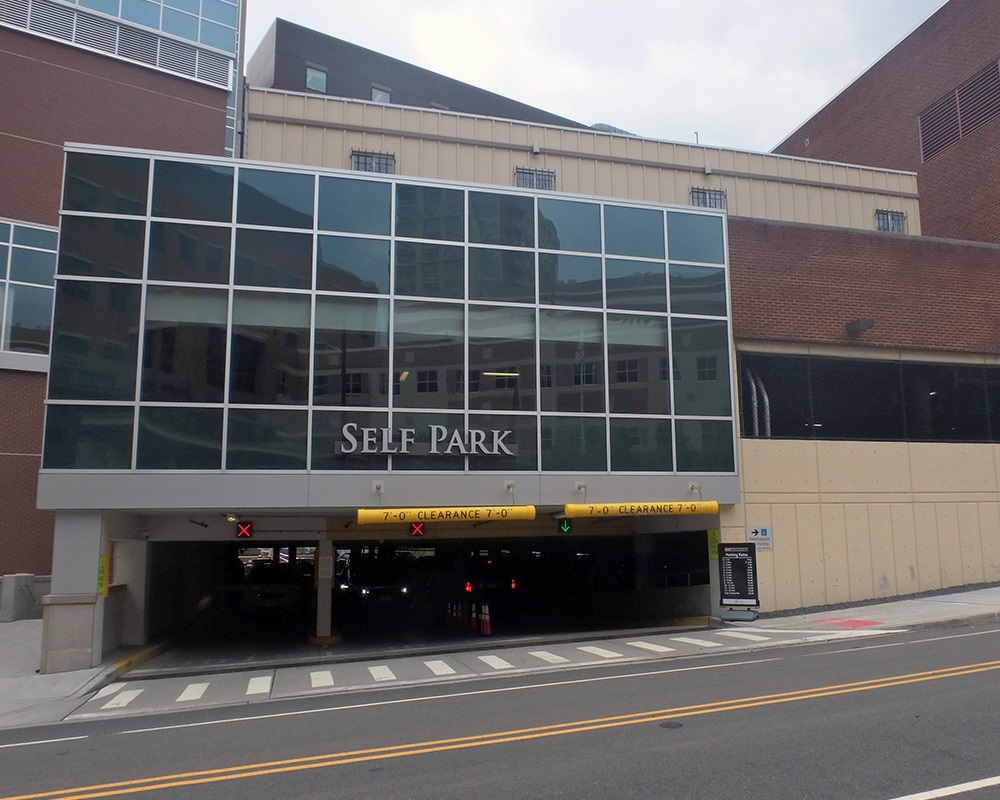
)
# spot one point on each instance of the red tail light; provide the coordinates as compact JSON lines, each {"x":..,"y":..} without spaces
{"x":468,"y":587}
{"x":513,"y":584}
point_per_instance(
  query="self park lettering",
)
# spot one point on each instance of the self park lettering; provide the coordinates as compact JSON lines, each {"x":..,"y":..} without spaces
{"x":443,"y":441}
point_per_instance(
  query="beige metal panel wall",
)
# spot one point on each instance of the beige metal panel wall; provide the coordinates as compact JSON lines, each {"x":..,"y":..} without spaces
{"x":859,"y":520}
{"x":316,"y":131}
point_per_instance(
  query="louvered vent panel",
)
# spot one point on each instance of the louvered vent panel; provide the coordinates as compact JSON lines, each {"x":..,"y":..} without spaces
{"x":137,"y":46}
{"x":178,"y":57}
{"x":214,"y":68}
{"x":939,"y":126}
{"x":52,"y":20}
{"x":99,"y":34}
{"x":14,"y":12}
{"x":979,"y":99}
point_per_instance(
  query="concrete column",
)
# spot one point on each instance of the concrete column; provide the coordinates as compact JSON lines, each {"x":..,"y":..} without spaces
{"x":325,"y":573}
{"x":73,"y":614}
{"x":132,"y":569}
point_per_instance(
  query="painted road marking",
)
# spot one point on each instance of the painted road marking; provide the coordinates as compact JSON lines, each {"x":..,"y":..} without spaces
{"x":951,"y":791}
{"x":496,"y":662}
{"x":260,"y":685}
{"x":600,"y":651}
{"x":653,"y":648}
{"x":193,"y":691}
{"x":695,"y":642}
{"x":110,"y":689}
{"x":750,"y":637}
{"x":552,"y":658}
{"x":382,"y":673}
{"x":122,"y":699}
{"x":321,"y":678}
{"x":440,"y":668}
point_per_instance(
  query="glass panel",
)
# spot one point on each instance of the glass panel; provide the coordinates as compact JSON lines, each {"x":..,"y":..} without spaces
{"x":270,"y":349}
{"x":105,"y":6}
{"x":572,"y":361}
{"x":352,"y":352}
{"x":502,"y":356}
{"x":4,"y":231}
{"x":522,"y":441}
{"x":329,"y":441}
{"x":31,"y":266}
{"x":565,"y":225}
{"x":352,"y":265}
{"x":193,"y":191}
{"x":429,"y":346}
{"x":316,"y":79}
{"x":182,"y":25}
{"x":4,"y":249}
{"x":140,"y":11}
{"x":191,"y":6}
{"x":111,"y":184}
{"x":429,"y":212}
{"x":276,"y":199}
{"x":857,"y":399}
{"x":569,"y":280}
{"x":705,"y":446}
{"x":637,"y":356}
{"x":94,"y":345}
{"x":775,"y":401}
{"x":695,"y":237}
{"x":274,"y":258}
{"x":354,"y":206}
{"x":431,"y":270}
{"x":501,"y":219}
{"x":639,"y":285}
{"x":945,"y":403}
{"x":269,"y":439}
{"x":641,"y":445}
{"x":697,"y":290}
{"x":507,"y":275}
{"x":574,"y":444}
{"x":219,"y":12}
{"x":35,"y":237}
{"x":633,"y":231}
{"x":88,"y":437}
{"x":28,"y":320}
{"x":217,"y":36}
{"x":189,"y":253}
{"x":184,"y":345}
{"x":179,"y":438}
{"x":422,"y":456}
{"x":102,"y":248}
{"x":701,"y":367}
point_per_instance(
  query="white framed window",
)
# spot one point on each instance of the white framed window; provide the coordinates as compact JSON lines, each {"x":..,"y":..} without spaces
{"x":527,"y":178}
{"x":381,"y":94}
{"x":890,"y":221}
{"x":316,"y":79}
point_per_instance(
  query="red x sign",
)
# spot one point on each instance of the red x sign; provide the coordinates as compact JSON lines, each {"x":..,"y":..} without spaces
{"x":244,"y":530}
{"x":416,"y":529}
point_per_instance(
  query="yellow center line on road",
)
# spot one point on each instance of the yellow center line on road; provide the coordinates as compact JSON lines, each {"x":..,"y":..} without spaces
{"x":325,"y":760}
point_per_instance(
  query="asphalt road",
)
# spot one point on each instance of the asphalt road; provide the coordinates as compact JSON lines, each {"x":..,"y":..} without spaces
{"x":882,"y":718}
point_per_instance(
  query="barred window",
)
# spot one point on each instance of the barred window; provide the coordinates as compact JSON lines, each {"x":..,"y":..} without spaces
{"x":362,"y":161}
{"x":708,"y":198}
{"x":526,"y":178}
{"x":890,"y":221}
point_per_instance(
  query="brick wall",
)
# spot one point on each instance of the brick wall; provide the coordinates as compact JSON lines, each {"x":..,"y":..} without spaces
{"x":55,"y":93}
{"x":795,"y":283}
{"x":25,"y":532}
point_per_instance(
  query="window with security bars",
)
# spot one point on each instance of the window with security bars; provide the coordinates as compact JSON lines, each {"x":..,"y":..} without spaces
{"x":362,"y":161}
{"x":526,"y":178}
{"x":890,"y":221}
{"x":708,"y":198}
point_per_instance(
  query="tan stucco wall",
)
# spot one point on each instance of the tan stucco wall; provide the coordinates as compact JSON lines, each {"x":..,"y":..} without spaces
{"x":858,"y":520}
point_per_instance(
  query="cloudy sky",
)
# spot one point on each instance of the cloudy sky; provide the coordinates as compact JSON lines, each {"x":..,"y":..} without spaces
{"x":740,"y":73}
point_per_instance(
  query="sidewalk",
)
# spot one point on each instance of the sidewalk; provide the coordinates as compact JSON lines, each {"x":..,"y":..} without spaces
{"x":29,"y":698}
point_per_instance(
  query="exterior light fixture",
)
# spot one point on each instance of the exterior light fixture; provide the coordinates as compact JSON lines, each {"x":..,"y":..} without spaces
{"x":856,"y":326}
{"x":231,"y":517}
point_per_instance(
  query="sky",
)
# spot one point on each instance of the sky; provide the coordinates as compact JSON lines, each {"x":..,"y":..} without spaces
{"x":727,"y":73}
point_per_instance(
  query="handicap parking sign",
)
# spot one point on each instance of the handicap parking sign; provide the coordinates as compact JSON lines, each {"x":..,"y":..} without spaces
{"x":760,"y":537}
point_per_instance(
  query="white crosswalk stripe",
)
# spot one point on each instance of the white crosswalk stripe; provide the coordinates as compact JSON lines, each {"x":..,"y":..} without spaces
{"x":652,"y":647}
{"x":545,"y":655}
{"x":320,"y":678}
{"x":122,"y":699}
{"x":496,"y":662}
{"x":193,"y":691}
{"x":259,"y":685}
{"x":694,"y":641}
{"x":440,"y":668}
{"x":600,"y":651}
{"x":382,"y":673}
{"x":748,"y":637}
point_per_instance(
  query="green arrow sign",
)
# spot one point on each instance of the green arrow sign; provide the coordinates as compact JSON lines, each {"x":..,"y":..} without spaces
{"x":565,"y":525}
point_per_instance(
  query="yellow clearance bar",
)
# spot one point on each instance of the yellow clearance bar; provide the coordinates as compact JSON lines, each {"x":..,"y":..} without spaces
{"x":639,"y":509}
{"x":387,"y":516}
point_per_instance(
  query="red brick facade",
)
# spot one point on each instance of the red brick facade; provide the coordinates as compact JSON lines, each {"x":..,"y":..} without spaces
{"x":56,"y":94}
{"x":802,"y":284}
{"x":875,"y":121}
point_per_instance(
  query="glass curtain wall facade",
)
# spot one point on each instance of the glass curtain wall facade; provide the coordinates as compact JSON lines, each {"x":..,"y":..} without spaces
{"x":27,"y":271}
{"x":212,"y":316}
